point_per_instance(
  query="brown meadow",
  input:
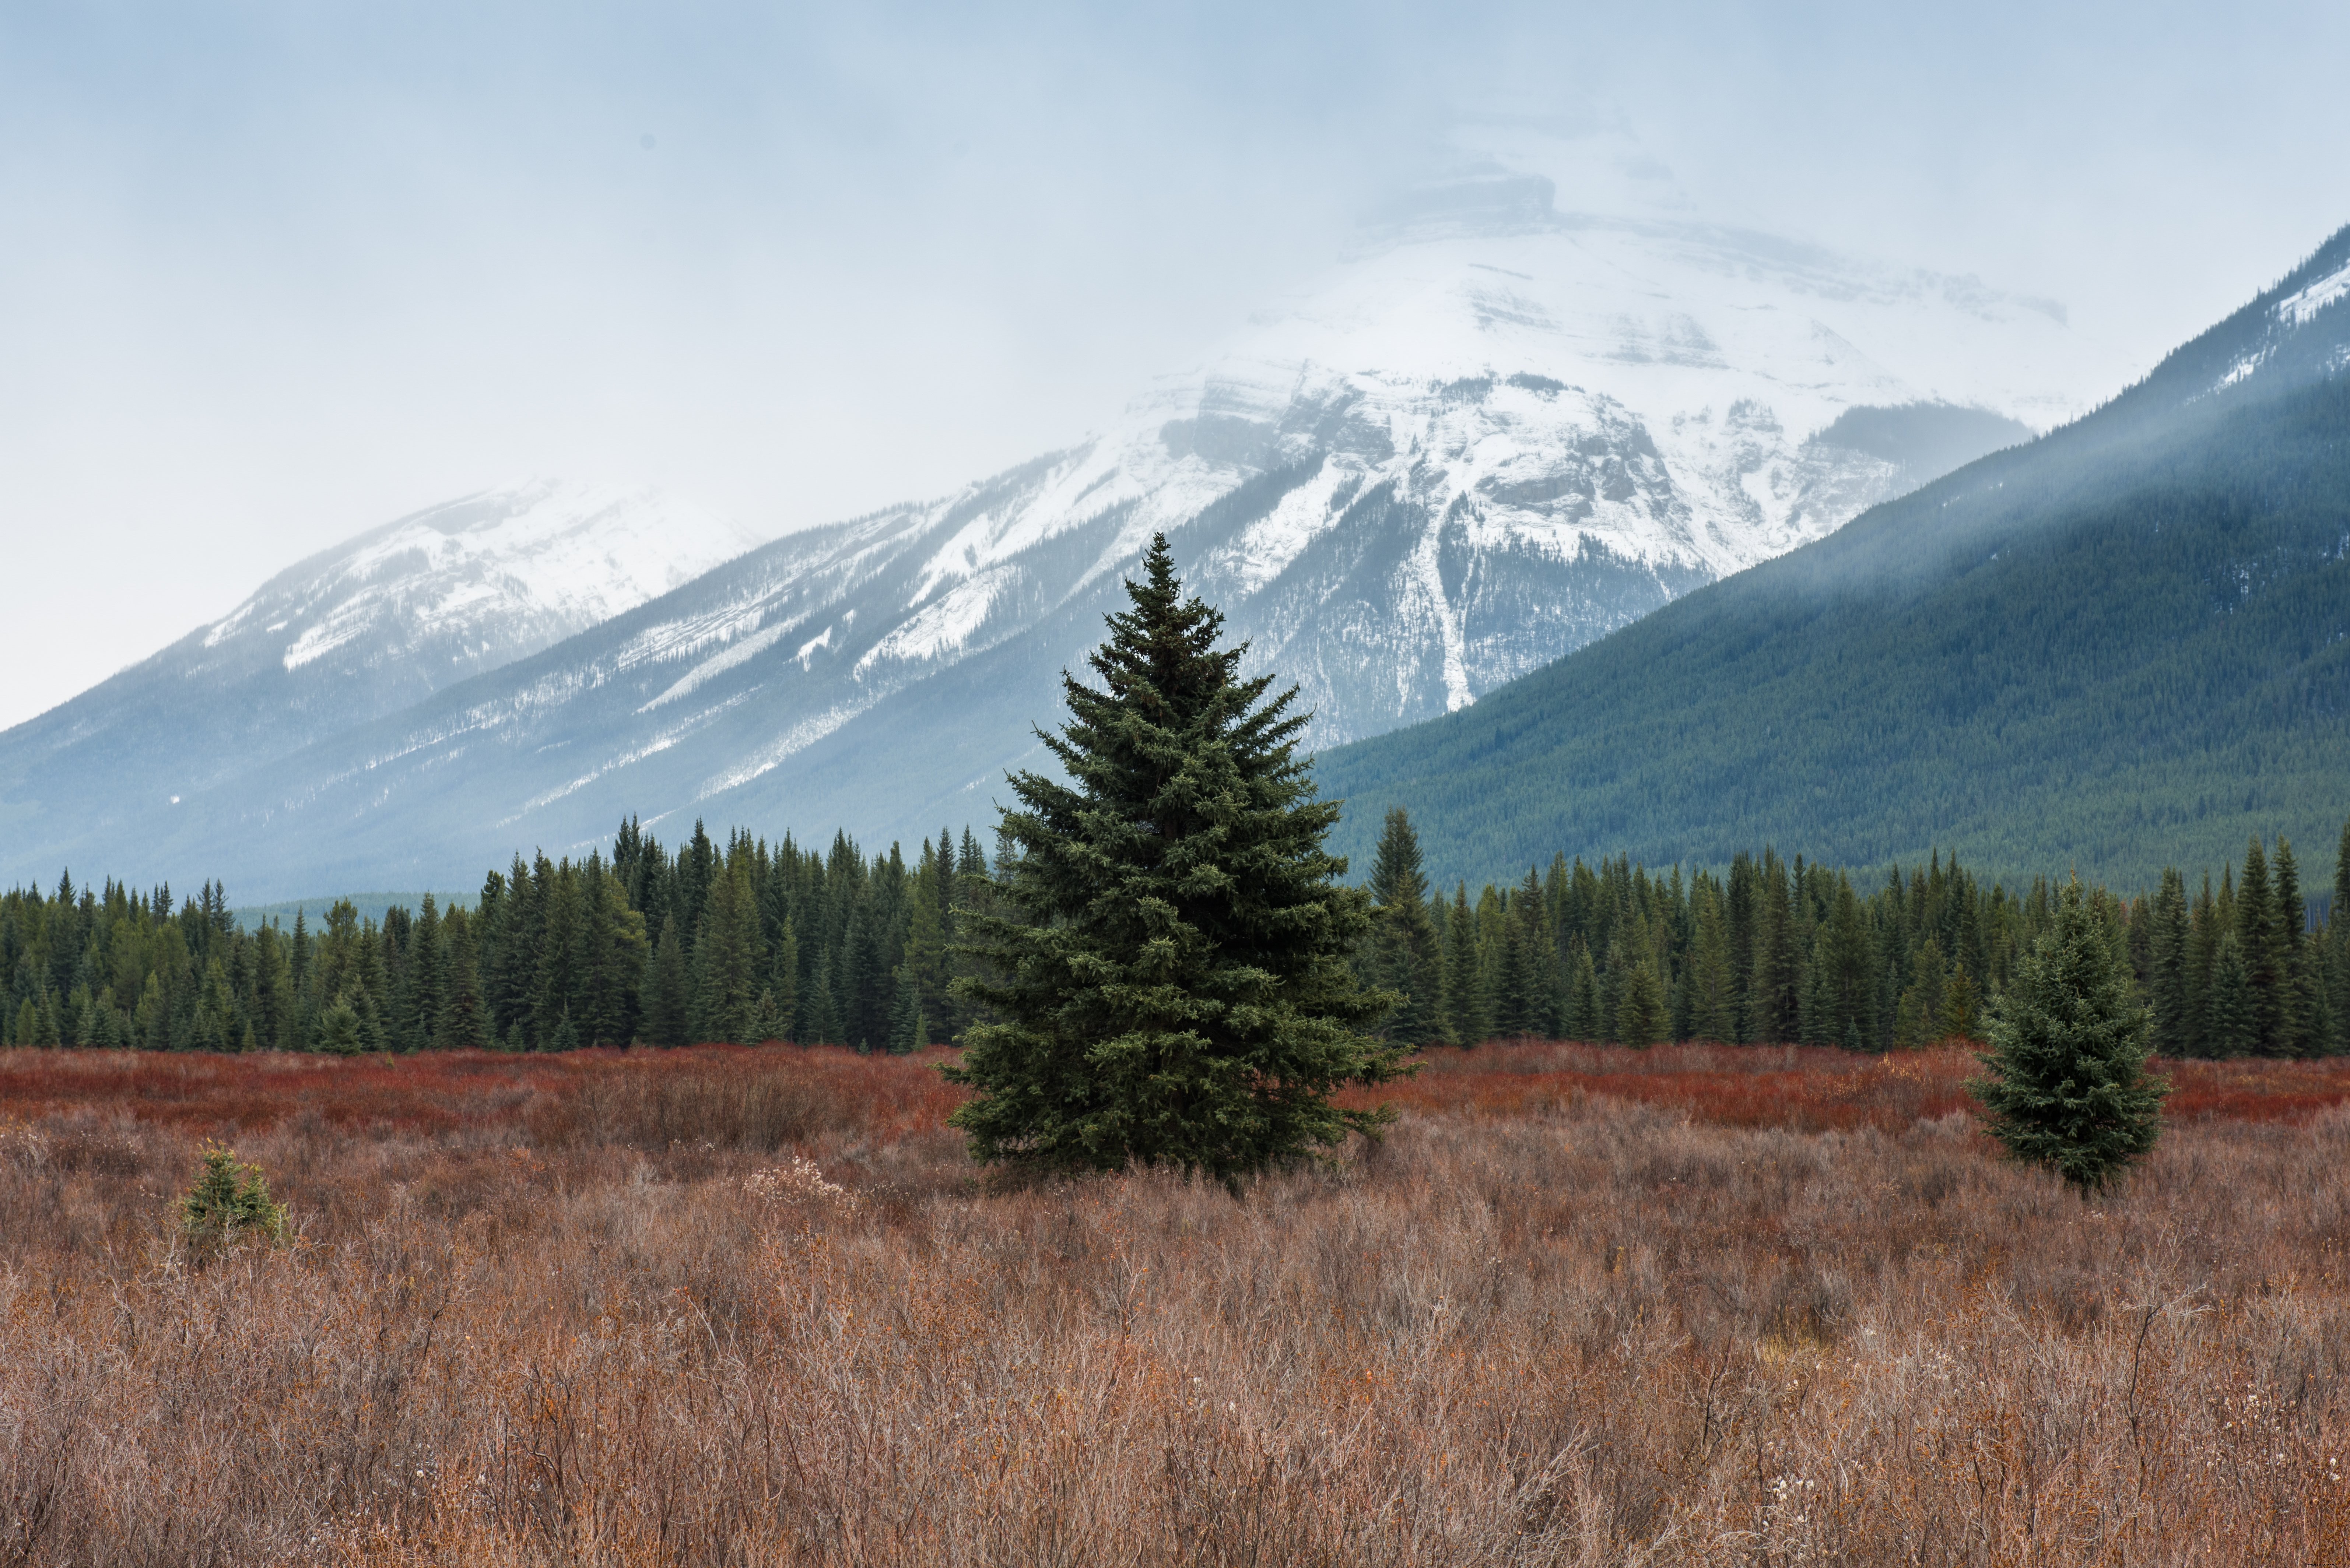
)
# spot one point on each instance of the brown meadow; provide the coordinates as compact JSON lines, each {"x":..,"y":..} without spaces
{"x":1582,"y":1305}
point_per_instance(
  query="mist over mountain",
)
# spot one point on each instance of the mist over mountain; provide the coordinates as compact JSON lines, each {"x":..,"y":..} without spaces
{"x":1494,"y":433}
{"x":2124,"y":644}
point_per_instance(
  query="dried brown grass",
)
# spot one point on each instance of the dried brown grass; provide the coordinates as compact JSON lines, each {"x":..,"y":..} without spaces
{"x":1585,"y":1332}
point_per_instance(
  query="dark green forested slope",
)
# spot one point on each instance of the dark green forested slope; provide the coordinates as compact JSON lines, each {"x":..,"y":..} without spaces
{"x":2125,"y":645}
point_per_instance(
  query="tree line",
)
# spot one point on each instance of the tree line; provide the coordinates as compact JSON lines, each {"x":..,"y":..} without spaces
{"x":748,"y":942}
{"x":744,"y":942}
{"x":1770,"y":952}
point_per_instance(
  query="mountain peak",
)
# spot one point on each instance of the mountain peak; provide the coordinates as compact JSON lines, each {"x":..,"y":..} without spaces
{"x":487,"y":578}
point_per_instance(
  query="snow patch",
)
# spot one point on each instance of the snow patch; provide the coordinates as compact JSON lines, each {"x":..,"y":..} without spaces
{"x":750,"y":647}
{"x":942,"y":626}
{"x":2295,"y":309}
{"x":800,"y":736}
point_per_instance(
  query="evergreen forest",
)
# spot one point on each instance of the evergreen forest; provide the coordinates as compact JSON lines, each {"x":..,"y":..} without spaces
{"x":750,"y":942}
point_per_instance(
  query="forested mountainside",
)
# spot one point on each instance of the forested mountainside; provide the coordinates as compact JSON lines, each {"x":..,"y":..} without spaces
{"x":2127,"y":642}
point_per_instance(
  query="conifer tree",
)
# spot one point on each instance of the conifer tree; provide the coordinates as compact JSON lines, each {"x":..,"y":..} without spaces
{"x":1775,"y":1008}
{"x":2167,"y":986}
{"x":1404,"y":957}
{"x":2230,"y":1022}
{"x":2066,"y":1084}
{"x":1712,"y":1004}
{"x":2293,"y":991}
{"x":928,"y":929}
{"x":1641,"y":1015}
{"x":2338,"y":925}
{"x":665,"y":999}
{"x":562,"y":951}
{"x":1918,"y":1016}
{"x":338,"y":1029}
{"x":784,"y":988}
{"x":1466,"y":1022}
{"x":907,"y":1027}
{"x":424,"y":982}
{"x":820,"y":1012}
{"x":1536,"y":1005}
{"x":865,"y":989}
{"x":726,"y":959}
{"x":2256,"y":936}
{"x":1843,"y":1002}
{"x":462,"y":1025}
{"x":1580,"y":1019}
{"x":1172,"y":973}
{"x":614,"y":961}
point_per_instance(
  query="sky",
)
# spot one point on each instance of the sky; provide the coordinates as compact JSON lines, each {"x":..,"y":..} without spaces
{"x":271,"y":273}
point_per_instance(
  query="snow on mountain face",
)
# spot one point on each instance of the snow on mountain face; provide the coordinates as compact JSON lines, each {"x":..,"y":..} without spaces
{"x":359,"y":631}
{"x":2274,"y":334}
{"x":1573,"y":418}
{"x":468,"y":585}
{"x":1496,"y":433}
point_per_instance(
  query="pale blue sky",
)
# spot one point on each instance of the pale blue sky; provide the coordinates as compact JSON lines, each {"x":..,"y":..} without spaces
{"x":270,"y":274}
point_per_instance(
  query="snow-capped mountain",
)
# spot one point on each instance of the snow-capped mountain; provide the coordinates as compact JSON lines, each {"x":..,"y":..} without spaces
{"x":1495,"y":432}
{"x":364,"y":630}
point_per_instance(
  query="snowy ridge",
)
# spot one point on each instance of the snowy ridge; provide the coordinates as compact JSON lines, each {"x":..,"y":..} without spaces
{"x":488,"y":577}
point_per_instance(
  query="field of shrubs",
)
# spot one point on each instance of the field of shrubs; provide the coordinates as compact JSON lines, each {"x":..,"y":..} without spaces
{"x":1582,"y":1305}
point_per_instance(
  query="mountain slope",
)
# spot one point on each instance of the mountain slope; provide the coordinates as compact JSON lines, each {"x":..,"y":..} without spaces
{"x":1495,"y":433}
{"x":366,"y":629}
{"x":2126,"y":643}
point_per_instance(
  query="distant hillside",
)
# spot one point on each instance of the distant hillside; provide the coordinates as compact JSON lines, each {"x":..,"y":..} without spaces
{"x":2124,"y":644}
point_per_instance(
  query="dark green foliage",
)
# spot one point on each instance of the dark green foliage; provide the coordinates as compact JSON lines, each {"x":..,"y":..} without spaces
{"x":2295,"y":989}
{"x":1403,"y":955}
{"x":228,"y":1201}
{"x":1171,"y":973}
{"x":2334,"y":943}
{"x":908,"y":1029}
{"x":2067,"y":1086}
{"x":463,"y":1026}
{"x":1910,"y":963}
{"x":1466,"y":1018}
{"x":667,"y":995}
{"x":727,"y":960}
{"x":1841,"y":1003}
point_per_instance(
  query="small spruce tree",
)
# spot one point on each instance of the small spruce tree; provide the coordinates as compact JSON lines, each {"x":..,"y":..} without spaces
{"x":1171,"y":970}
{"x":228,"y":1201}
{"x":2067,"y":1085}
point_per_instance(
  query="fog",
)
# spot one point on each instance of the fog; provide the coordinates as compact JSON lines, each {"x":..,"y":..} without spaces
{"x":271,"y":273}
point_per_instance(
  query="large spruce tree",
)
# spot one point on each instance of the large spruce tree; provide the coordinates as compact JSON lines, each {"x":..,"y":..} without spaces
{"x":1170,"y":973}
{"x":2067,"y":1086}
